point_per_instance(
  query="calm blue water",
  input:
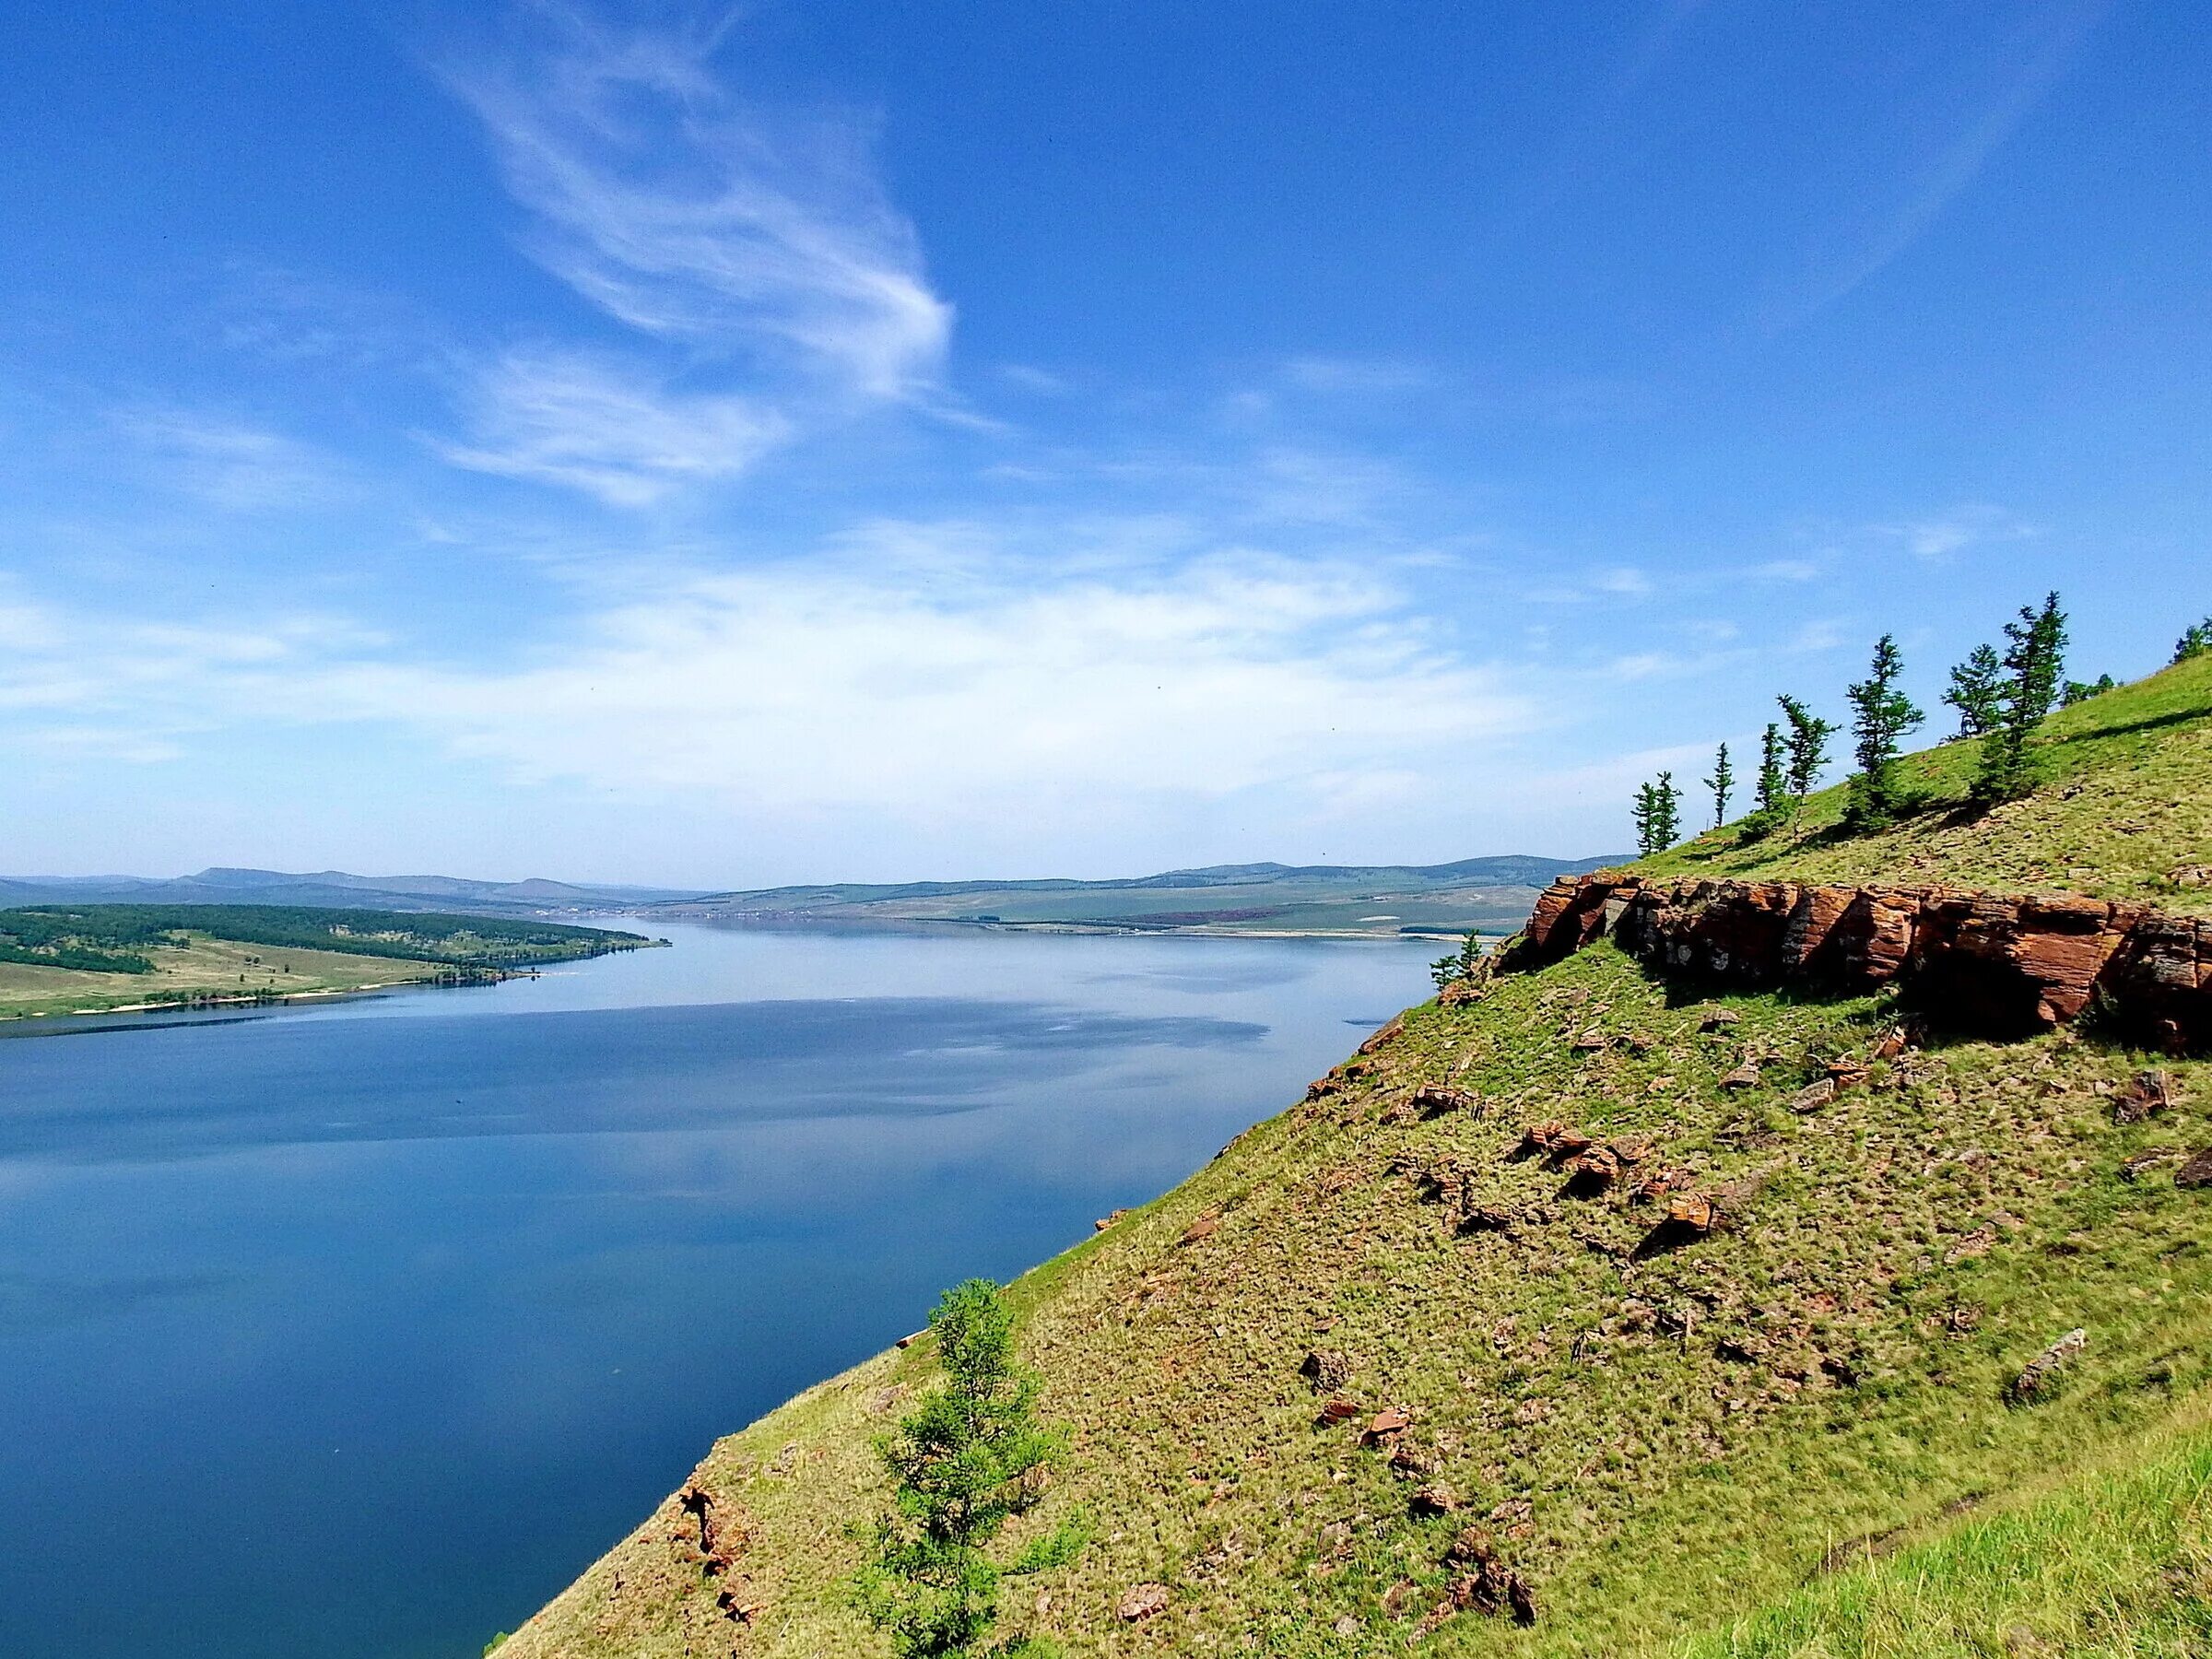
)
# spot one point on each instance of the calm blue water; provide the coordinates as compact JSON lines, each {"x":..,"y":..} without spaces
{"x":355,"y":1332}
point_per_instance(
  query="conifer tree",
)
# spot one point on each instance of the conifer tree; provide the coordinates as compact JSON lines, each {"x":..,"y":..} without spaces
{"x":1645,"y":812}
{"x":2195,"y":640}
{"x":2034,"y":669}
{"x":1667,"y":812}
{"x":1723,"y":784}
{"x":1881,"y":714}
{"x":1977,"y":692}
{"x":968,"y":1459}
{"x":1807,"y":741}
{"x":1770,"y":789}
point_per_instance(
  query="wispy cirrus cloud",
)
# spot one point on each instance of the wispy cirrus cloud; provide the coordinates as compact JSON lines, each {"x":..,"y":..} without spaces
{"x":230,"y":464}
{"x":2041,"y":43}
{"x":1937,"y":536}
{"x":764,"y":249}
{"x":606,"y":426}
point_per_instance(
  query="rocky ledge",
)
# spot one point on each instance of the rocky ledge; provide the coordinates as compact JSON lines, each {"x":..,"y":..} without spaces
{"x":1986,"y":962}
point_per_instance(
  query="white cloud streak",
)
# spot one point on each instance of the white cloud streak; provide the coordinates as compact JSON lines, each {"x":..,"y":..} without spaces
{"x":607,"y":427}
{"x":914,"y":696}
{"x":697,"y":223}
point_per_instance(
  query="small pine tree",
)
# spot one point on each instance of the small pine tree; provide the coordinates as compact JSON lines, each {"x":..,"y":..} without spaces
{"x":968,"y":1459}
{"x":1723,"y":784}
{"x":1464,"y":963}
{"x":2034,"y":667}
{"x":1807,"y":741}
{"x":2076,"y":691}
{"x":1770,"y":789}
{"x":1881,"y":715}
{"x":1667,"y":812}
{"x":2195,"y":640}
{"x":1645,"y":812}
{"x":1977,"y":692}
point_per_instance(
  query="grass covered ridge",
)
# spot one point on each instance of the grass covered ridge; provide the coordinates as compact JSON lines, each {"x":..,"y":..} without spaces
{"x":2115,"y":1563}
{"x":2123,"y":811}
{"x":85,"y":959}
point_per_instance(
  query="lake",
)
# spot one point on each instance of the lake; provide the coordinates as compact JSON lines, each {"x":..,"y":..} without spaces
{"x":356,"y":1331}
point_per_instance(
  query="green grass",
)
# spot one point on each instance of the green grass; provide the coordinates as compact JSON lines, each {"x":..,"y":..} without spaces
{"x":2116,"y":1564}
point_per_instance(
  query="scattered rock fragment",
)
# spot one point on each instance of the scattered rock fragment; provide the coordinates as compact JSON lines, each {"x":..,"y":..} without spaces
{"x":1847,"y":1073}
{"x":1103,"y":1222}
{"x":1460,"y":993}
{"x":1326,"y":1369}
{"x":784,"y":1461}
{"x":1339,"y":1411}
{"x":2145,"y":1095}
{"x":1433,"y":1099}
{"x":2030,"y":1382}
{"x":1490,"y":1586}
{"x":1554,"y":1140}
{"x":2151,"y":1158}
{"x":1205,"y":1227}
{"x":1592,"y":1171}
{"x":1386,"y":1036}
{"x":1718,"y":1020}
{"x":1744,"y":1076}
{"x":1141,"y":1602}
{"x":1409,"y":1461}
{"x":1384,"y":1424}
{"x":1591,"y":1042}
{"x":1486,"y":1218}
{"x":1814,"y":1096}
{"x":2196,"y":1172}
{"x":1431,"y":1501}
{"x":1689,"y":1216}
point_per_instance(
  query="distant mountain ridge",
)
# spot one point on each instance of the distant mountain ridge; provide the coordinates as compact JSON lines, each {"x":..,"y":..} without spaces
{"x":1371,"y":900}
{"x":327,"y":889}
{"x":1515,"y":869}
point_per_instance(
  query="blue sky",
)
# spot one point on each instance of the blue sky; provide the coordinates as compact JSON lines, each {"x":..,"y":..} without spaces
{"x":858,"y":441}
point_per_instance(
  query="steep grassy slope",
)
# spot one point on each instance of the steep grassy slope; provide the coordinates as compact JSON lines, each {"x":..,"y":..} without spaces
{"x":2113,"y":1563}
{"x":1656,"y":1440}
{"x":2124,"y":809}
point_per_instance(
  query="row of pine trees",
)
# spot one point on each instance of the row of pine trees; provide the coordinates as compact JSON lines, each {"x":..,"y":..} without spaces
{"x":2000,"y":697}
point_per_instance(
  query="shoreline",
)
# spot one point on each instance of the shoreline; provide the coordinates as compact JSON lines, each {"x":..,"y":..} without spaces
{"x":790,"y":923}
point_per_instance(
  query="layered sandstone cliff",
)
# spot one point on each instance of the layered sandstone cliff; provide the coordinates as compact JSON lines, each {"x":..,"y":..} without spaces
{"x":1990,"y":962}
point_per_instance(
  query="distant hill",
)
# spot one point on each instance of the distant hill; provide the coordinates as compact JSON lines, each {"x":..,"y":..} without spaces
{"x":1252,"y":897}
{"x":1248,"y":897}
{"x":334,"y":889}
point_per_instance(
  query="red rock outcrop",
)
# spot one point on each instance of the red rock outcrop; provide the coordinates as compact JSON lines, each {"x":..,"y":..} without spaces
{"x":1984,"y":961}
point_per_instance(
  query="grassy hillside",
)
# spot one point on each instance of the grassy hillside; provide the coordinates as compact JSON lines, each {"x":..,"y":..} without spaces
{"x":1490,"y":894}
{"x":199,"y":967}
{"x":2124,"y":811}
{"x":1661,"y":1433}
{"x":66,"y":959}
